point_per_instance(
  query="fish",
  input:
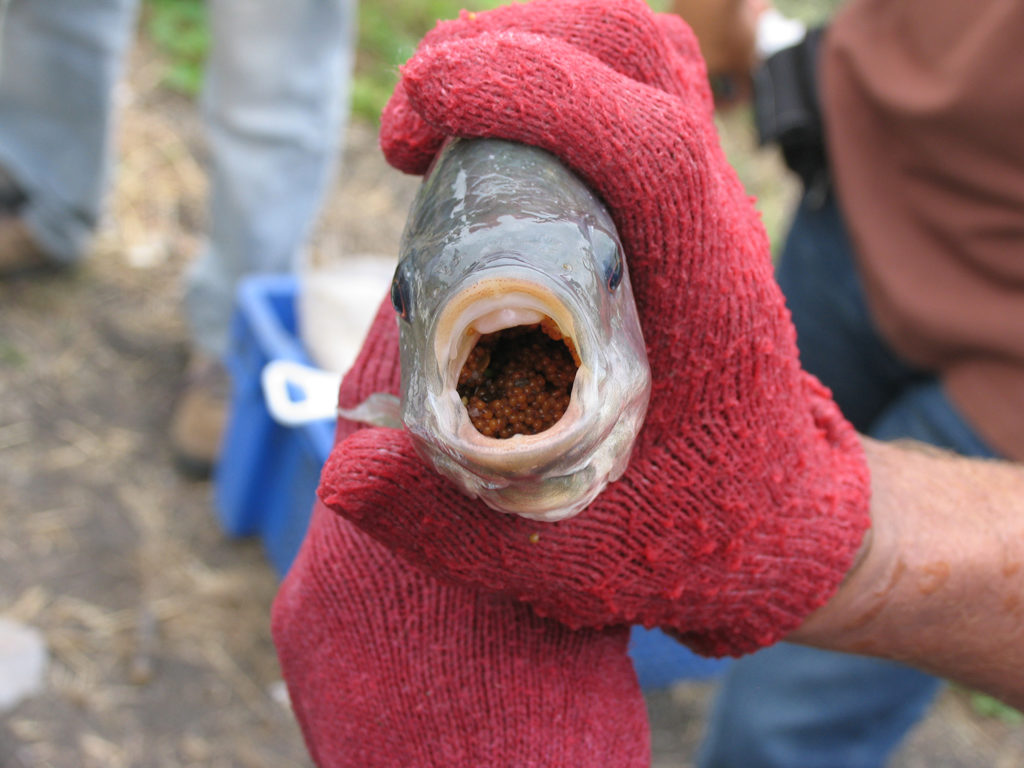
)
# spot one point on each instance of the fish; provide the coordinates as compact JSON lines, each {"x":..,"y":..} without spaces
{"x":503,"y":241}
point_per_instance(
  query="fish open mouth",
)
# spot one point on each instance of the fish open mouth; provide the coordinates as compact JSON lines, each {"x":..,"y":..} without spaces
{"x":508,"y":348}
{"x":518,"y":380}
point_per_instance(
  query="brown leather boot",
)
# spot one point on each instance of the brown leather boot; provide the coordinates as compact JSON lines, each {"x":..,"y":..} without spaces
{"x":20,"y":254}
{"x":199,"y":417}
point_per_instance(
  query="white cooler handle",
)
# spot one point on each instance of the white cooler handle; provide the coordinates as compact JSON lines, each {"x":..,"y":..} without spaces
{"x":319,"y":388}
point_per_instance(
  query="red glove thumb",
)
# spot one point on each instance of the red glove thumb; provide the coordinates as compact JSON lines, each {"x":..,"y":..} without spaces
{"x":658,"y":50}
{"x":388,"y":669}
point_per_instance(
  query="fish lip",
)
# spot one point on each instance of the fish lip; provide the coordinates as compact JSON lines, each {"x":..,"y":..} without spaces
{"x":548,"y":499}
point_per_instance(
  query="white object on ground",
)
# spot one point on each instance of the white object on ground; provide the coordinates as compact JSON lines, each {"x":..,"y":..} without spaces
{"x":23,"y":659}
{"x":336,"y":306}
{"x":278,"y":692}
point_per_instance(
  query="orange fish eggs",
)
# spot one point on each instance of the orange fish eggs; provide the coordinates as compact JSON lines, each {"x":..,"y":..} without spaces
{"x":517,"y":381}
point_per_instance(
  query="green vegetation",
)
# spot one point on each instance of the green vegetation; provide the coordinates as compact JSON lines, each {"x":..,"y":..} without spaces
{"x":388,"y":33}
{"x":179,"y":30}
{"x":810,"y":11}
{"x":986,"y":706}
{"x":10,"y":355}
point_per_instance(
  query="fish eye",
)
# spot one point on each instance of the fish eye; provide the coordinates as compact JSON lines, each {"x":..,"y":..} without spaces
{"x":608,"y":254}
{"x":401,"y":298}
{"x":613,"y":272}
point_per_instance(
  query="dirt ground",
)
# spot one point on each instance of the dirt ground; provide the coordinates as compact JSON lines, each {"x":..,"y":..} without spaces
{"x":156,"y":623}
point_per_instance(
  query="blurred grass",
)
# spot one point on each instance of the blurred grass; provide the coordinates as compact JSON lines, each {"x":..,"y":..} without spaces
{"x":808,"y":11}
{"x":986,"y":706}
{"x":388,"y":33}
{"x":10,"y":355}
{"x":179,"y":30}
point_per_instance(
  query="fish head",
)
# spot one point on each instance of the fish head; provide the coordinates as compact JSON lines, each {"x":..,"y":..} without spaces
{"x":503,"y":261}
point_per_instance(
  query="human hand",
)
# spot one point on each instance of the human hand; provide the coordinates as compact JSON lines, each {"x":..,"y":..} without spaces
{"x":746,"y":497}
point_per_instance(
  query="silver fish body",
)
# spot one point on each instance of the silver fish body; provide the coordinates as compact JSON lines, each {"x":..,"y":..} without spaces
{"x":501,"y":235}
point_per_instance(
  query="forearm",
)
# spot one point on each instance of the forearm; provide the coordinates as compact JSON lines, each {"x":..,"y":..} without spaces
{"x":940,"y":585}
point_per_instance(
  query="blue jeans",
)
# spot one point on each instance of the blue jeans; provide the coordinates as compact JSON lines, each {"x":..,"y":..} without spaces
{"x":794,"y":707}
{"x":275,"y":101}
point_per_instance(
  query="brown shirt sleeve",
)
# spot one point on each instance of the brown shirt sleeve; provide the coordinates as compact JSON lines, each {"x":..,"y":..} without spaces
{"x":924,"y":103}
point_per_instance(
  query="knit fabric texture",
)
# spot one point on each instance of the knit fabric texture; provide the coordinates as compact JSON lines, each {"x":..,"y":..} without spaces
{"x":387,"y":668}
{"x":746,"y":497}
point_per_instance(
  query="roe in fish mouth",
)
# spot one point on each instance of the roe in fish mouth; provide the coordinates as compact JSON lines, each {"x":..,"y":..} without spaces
{"x":517,"y":381}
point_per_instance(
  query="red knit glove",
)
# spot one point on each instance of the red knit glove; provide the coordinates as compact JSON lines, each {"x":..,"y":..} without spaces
{"x":388,"y":668}
{"x":746,"y":497}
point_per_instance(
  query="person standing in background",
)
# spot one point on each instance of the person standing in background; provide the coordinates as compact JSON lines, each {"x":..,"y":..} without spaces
{"x":903,"y":271}
{"x":275,"y":102}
